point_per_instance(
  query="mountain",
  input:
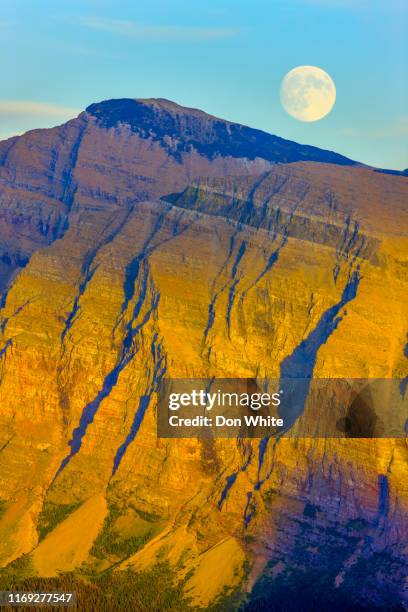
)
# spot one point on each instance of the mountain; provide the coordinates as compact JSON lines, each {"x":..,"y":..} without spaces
{"x":166,"y":145}
{"x":144,"y":241}
{"x":180,"y":130}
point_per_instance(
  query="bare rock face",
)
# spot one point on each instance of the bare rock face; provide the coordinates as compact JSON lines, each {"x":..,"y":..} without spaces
{"x":144,"y":240}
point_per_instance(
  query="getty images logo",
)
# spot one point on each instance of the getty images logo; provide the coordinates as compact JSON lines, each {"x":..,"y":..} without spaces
{"x":204,"y":399}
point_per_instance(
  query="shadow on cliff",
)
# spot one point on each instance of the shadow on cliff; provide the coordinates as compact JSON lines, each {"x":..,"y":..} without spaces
{"x":361,"y":420}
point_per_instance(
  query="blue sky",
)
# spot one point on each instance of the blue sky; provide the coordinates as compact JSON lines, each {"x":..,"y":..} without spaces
{"x":226,"y":57}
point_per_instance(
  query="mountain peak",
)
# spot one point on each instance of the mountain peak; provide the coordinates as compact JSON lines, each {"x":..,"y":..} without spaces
{"x":156,"y":104}
{"x":164,"y":104}
{"x":180,"y":129}
{"x":129,"y":110}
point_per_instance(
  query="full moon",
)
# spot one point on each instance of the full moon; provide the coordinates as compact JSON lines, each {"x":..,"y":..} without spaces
{"x":307,"y":93}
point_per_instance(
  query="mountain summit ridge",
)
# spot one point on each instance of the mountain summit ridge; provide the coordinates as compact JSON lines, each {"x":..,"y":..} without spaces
{"x":211,"y":136}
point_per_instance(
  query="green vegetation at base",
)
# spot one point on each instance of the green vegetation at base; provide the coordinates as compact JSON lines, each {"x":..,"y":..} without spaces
{"x":308,"y":585}
{"x":148,"y":591}
{"x":2,"y":507}
{"x":53,"y":514}
{"x":21,"y":567}
{"x":150,"y":517}
{"x":229,"y":602}
{"x":111,"y":542}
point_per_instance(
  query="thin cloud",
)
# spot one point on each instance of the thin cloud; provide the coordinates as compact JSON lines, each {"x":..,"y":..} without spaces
{"x":132,"y":29}
{"x":27,"y":107}
{"x":355,"y":4}
{"x":397,"y":130}
{"x":338,"y":3}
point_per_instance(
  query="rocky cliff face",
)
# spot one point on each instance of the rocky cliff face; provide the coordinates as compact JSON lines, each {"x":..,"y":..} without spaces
{"x":143,"y":240}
